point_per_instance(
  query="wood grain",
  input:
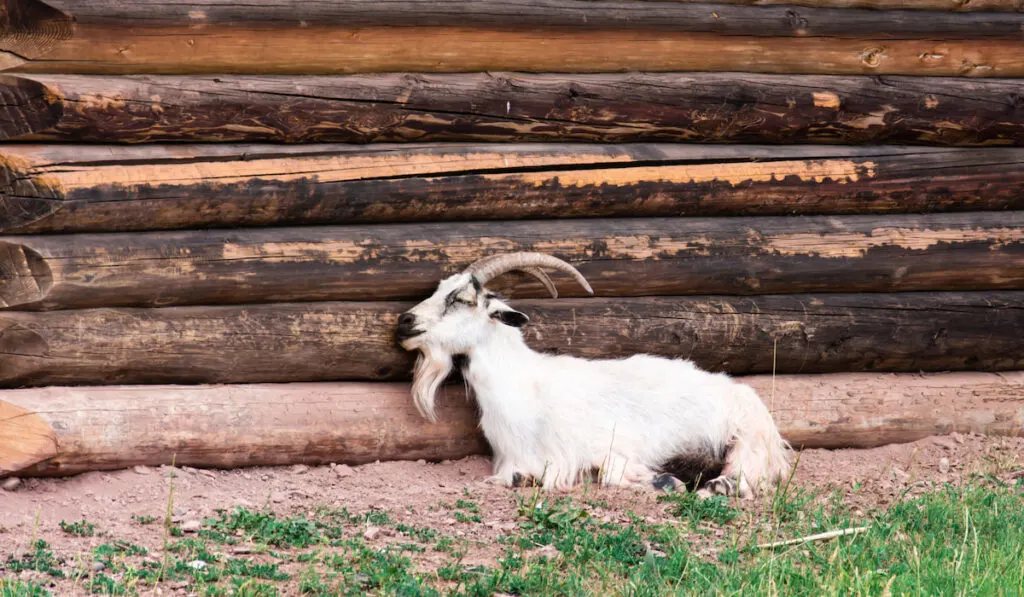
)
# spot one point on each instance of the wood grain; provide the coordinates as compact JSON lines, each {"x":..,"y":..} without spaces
{"x":284,"y":342}
{"x":726,"y":19}
{"x":620,"y":257}
{"x":621,"y":108}
{"x":317,"y":49}
{"x":99,"y":428}
{"x":82,"y":188}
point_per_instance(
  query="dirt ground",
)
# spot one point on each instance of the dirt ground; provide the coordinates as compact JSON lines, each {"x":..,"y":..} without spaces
{"x":35,"y":507}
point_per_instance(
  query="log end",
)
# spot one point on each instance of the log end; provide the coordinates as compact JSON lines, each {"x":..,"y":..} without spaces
{"x":27,"y":107}
{"x":25,"y":276}
{"x":26,"y":439}
{"x":30,"y":29}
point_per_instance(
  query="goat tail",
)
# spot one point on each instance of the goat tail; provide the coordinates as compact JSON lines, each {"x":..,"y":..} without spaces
{"x":760,"y":456}
{"x":431,"y":370}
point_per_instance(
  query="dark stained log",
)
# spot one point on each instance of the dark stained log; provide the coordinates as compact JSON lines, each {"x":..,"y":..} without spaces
{"x":286,"y":342}
{"x":621,"y":108}
{"x":82,"y":188}
{"x":951,"y":5}
{"x":108,"y":37}
{"x":69,"y":430}
{"x":724,"y":19}
{"x":621,"y":257}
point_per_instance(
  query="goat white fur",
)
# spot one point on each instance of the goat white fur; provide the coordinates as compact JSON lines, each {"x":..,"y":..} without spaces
{"x":558,"y":418}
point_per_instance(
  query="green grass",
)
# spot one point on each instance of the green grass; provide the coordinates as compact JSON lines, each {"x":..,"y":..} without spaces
{"x":950,"y":540}
{"x":79,"y":529}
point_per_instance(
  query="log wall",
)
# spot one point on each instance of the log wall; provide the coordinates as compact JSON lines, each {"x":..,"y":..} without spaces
{"x":212,"y":192}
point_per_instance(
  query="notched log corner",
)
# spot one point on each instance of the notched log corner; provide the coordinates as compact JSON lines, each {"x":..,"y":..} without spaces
{"x":29,"y":29}
{"x":26,"y":439}
{"x":27,"y":107}
{"x":25,"y":276}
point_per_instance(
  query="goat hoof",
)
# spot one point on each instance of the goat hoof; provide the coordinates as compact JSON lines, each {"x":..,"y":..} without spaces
{"x":666,"y":482}
{"x":721,"y":486}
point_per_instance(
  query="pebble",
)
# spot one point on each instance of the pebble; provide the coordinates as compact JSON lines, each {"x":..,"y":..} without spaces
{"x":945,"y":442}
{"x":98,"y":566}
{"x":197,"y":564}
{"x":142,"y":470}
{"x":371,"y":533}
{"x":300,"y":469}
{"x":421,"y":461}
{"x":10,"y":483}
{"x":191,"y":526}
{"x":944,"y":465}
{"x":278,"y":497}
{"x":344,"y":470}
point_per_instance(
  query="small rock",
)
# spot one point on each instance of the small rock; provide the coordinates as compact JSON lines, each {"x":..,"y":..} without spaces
{"x":945,"y":442}
{"x":371,"y":533}
{"x":333,"y":465}
{"x":246,"y":476}
{"x":98,"y":566}
{"x":278,"y":497}
{"x":241,"y":550}
{"x":10,"y":483}
{"x":944,"y":465}
{"x":191,"y":526}
{"x":421,"y":461}
{"x":196,"y":564}
{"x":207,"y":473}
{"x":344,"y":470}
{"x":142,"y":470}
{"x":957,"y":437}
{"x":300,"y":469}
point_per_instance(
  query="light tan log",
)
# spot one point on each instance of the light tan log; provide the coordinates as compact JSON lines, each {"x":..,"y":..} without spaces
{"x":61,"y":430}
{"x":101,"y":49}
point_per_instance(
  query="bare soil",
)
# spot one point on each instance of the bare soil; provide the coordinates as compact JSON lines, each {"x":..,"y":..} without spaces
{"x":415,"y":493}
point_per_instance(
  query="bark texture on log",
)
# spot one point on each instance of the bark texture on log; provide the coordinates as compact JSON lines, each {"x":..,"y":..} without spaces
{"x":82,"y":188}
{"x":621,"y":257}
{"x":78,"y":429}
{"x":824,"y":333}
{"x":295,"y":16}
{"x":225,"y":426}
{"x":255,"y":48}
{"x":622,"y":108}
{"x":951,"y":5}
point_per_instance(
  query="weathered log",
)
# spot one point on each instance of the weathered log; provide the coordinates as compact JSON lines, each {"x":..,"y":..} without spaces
{"x":289,"y":37}
{"x":283,"y":342}
{"x":59,"y":431}
{"x":621,"y":257}
{"x":695,"y":107}
{"x":952,"y":5}
{"x":68,"y":430}
{"x":57,"y":188}
{"x":596,"y":15}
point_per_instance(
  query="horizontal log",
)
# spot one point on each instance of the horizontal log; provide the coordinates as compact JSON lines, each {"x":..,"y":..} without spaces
{"x":69,"y":430}
{"x":82,"y":188}
{"x":286,"y":342}
{"x":623,"y":257}
{"x":61,"y":431}
{"x":40,"y":38}
{"x":621,"y":108}
{"x":295,"y":15}
{"x":951,"y":5}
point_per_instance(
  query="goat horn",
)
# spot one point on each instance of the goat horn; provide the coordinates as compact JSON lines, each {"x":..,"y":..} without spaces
{"x":488,"y":268}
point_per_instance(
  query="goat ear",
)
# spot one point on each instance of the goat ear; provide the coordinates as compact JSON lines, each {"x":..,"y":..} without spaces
{"x":511,"y":318}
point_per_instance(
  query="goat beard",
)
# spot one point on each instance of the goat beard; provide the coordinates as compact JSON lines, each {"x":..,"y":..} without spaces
{"x":431,"y":370}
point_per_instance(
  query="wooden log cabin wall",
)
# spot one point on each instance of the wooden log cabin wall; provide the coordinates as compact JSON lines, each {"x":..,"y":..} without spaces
{"x":826,"y":196}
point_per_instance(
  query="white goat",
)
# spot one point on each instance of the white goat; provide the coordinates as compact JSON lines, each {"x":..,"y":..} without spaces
{"x":636,"y":421}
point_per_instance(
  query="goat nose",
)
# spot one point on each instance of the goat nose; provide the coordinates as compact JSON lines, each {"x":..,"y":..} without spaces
{"x":406,"y":326}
